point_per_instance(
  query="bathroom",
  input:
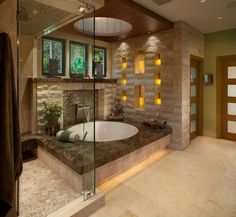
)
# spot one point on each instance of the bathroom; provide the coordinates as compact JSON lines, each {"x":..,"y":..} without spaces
{"x":120,"y":134}
{"x":102,"y":93}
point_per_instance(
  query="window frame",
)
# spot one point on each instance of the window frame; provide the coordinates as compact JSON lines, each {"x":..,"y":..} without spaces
{"x":63,"y":42}
{"x":86,"y":57}
{"x":105,"y":61}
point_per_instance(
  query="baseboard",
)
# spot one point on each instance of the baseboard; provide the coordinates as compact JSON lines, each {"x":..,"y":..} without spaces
{"x":209,"y":133}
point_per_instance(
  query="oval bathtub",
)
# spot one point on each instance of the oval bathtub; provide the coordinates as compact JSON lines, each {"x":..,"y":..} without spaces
{"x":105,"y":131}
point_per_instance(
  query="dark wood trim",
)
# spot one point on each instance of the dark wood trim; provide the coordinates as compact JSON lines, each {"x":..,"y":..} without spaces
{"x":199,"y":99}
{"x":219,"y":93}
{"x":143,"y":20}
{"x":231,"y":117}
{"x":231,"y":81}
{"x":148,"y":12}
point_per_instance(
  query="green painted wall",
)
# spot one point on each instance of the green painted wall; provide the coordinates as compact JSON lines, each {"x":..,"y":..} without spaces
{"x":216,"y":44}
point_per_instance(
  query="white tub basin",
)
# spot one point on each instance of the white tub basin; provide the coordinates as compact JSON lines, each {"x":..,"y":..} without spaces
{"x":105,"y":131}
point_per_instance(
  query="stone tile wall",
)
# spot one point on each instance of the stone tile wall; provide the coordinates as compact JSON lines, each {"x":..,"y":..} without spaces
{"x":67,"y":94}
{"x":175,"y":46}
{"x":47,"y":93}
{"x":79,"y":97}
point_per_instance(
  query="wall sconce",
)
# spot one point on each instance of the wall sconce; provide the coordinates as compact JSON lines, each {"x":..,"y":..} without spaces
{"x":139,"y":62}
{"x":141,"y":101}
{"x":124,"y":98}
{"x":158,"y":99}
{"x":139,"y":96}
{"x":157,"y":59}
{"x":123,"y":80}
{"x":123,"y":63}
{"x":208,"y":79}
{"x":158,"y":79}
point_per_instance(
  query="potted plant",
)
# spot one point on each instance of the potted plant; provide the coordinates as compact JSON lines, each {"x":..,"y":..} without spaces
{"x":51,"y":112}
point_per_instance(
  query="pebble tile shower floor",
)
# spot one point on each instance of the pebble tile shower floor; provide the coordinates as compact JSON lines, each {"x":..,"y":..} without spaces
{"x":42,"y":191}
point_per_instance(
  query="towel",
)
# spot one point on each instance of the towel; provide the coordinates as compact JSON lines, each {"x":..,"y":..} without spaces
{"x":67,"y":136}
{"x":10,"y":150}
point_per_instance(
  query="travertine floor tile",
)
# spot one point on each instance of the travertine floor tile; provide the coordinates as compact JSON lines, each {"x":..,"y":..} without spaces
{"x":197,"y":182}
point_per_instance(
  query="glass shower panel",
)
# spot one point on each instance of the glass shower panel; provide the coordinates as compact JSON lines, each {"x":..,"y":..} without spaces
{"x":53,"y":102}
{"x":88,"y":142}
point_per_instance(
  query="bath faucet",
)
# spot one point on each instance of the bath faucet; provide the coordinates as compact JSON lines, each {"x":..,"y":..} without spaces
{"x":82,"y":113}
{"x":87,"y":113}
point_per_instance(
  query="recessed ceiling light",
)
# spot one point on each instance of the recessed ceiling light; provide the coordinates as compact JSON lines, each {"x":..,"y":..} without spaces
{"x":149,"y":32}
{"x":219,"y":18}
{"x":202,"y":1}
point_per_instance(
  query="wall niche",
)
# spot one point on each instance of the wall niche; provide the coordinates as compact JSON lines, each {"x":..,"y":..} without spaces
{"x":139,"y":96}
{"x":139,"y":63}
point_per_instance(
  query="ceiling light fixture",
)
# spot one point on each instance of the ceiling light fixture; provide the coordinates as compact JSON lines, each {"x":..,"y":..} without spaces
{"x":219,"y":18}
{"x":202,"y":1}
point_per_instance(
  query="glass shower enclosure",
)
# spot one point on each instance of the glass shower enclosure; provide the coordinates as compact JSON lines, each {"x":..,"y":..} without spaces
{"x":57,"y":100}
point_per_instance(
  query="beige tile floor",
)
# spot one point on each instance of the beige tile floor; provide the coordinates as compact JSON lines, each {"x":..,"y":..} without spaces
{"x":197,"y":182}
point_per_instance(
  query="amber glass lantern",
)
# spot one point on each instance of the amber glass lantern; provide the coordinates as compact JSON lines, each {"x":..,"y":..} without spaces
{"x":157,"y":59}
{"x":123,"y":63}
{"x":123,"y":79}
{"x":158,"y":98}
{"x":158,"y":79}
{"x":124,"y":97}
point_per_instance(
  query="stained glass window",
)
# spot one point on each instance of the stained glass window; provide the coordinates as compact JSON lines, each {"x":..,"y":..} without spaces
{"x":78,"y":59}
{"x":100,"y":61}
{"x":53,"y":55}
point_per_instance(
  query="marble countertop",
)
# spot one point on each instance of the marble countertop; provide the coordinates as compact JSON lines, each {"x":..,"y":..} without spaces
{"x":80,"y":157}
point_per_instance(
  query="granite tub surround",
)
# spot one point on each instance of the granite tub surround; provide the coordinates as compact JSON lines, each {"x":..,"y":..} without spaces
{"x":175,"y":47}
{"x":77,"y":158}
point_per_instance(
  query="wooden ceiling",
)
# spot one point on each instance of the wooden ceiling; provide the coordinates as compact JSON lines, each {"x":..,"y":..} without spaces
{"x":142,"y":20}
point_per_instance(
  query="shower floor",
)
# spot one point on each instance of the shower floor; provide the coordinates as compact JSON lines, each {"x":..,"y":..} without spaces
{"x":42,"y":192}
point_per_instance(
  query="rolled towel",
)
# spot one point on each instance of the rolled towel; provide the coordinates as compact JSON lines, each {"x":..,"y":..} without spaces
{"x":67,"y":136}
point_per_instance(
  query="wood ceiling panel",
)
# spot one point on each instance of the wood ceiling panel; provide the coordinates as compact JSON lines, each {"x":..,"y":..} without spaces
{"x":141,"y":19}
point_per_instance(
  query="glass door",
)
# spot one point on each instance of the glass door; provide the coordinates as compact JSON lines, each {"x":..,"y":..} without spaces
{"x":229,"y":99}
{"x":195,"y":97}
{"x":56,"y":94}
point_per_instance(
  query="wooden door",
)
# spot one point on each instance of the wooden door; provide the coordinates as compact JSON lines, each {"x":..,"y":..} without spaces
{"x":228,"y":106}
{"x":196,"y":101}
